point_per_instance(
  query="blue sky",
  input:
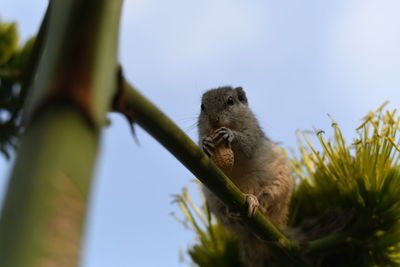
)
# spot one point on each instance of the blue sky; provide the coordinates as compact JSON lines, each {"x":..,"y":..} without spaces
{"x":297,"y":60}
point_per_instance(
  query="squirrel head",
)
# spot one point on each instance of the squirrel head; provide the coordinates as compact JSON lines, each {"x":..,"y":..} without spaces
{"x":223,"y":107}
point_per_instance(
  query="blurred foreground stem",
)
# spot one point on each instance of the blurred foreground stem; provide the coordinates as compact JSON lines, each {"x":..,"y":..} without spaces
{"x":43,"y":216}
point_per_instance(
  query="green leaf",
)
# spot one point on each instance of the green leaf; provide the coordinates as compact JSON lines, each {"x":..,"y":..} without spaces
{"x":8,"y":41}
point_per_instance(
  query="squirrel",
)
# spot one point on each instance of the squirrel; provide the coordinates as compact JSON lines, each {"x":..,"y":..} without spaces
{"x":260,"y":169}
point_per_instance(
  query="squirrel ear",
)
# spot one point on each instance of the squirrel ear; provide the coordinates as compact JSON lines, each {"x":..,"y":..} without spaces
{"x":241,"y":95}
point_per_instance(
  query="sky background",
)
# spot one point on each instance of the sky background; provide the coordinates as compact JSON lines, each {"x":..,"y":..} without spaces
{"x":297,"y":60}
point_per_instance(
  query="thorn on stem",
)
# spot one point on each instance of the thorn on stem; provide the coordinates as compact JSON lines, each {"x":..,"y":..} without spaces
{"x":119,"y":103}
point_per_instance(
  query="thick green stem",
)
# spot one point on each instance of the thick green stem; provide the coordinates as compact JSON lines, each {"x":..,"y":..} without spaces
{"x":327,"y":243}
{"x":42,"y":220}
{"x":189,"y":154}
{"x":43,"y":216}
{"x":33,"y":60}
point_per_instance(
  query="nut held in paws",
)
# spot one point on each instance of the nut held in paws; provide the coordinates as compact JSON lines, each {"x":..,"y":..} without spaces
{"x":223,"y":155}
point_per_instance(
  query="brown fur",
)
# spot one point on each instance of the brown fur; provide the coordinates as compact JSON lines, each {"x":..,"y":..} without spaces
{"x":260,"y":168}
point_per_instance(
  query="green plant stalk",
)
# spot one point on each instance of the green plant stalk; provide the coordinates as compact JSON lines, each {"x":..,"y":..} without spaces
{"x":192,"y":157}
{"x":42,"y":220}
{"x":32,"y":62}
{"x":326,"y":243}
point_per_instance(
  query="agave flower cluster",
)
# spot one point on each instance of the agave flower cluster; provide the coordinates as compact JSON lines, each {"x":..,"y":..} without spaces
{"x":361,"y":177}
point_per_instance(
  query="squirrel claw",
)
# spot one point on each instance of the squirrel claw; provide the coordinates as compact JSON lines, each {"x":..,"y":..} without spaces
{"x":222,"y":134}
{"x":234,"y":215}
{"x":252,"y":205}
{"x":208,"y":146}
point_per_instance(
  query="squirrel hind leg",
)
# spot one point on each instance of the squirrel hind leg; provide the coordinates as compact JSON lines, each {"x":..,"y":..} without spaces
{"x":252,"y":205}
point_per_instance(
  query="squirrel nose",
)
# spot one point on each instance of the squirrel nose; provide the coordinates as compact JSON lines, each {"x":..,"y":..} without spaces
{"x":214,"y":120}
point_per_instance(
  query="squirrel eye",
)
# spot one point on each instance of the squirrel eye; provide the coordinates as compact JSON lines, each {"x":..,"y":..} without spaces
{"x":230,"y":101}
{"x":202,"y":107}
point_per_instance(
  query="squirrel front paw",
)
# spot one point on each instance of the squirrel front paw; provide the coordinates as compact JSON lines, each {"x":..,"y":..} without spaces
{"x":223,"y":134}
{"x":207,"y":144}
